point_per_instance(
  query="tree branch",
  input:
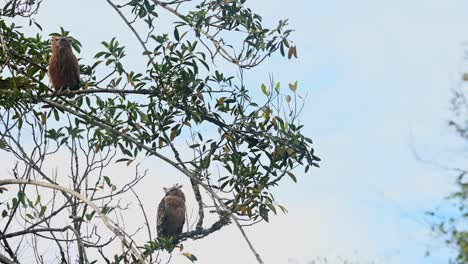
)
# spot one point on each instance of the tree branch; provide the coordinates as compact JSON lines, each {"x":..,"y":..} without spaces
{"x":147,"y":52}
{"x":114,"y":228}
{"x":215,"y":42}
{"x":5,"y":260}
{"x":200,"y":232}
{"x":166,"y":159}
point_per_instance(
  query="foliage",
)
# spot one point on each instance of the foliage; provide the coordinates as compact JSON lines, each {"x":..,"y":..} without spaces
{"x":243,"y":145}
{"x":454,"y":227}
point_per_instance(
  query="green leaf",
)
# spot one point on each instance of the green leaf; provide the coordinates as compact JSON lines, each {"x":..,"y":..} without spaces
{"x":174,"y":133}
{"x":122,"y":160}
{"x":38,"y":200}
{"x":107,"y":181}
{"x":190,"y":256}
{"x":176,"y":34}
{"x":293,"y":87}
{"x":43,"y":209}
{"x":43,"y":118}
{"x":265,"y":90}
{"x":272,"y":207}
{"x":229,"y":137}
{"x":4,"y":146}
{"x":293,"y":177}
{"x":277,"y":87}
{"x":56,"y":115}
{"x":90,"y":215}
{"x":283,"y":209}
{"x":264,"y":213}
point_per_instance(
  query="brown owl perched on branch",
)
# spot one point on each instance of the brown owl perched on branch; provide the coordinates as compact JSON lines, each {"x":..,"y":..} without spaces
{"x":171,"y":212}
{"x":64,"y":70}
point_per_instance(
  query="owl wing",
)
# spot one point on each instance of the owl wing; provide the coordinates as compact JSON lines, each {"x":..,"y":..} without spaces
{"x":53,"y":70}
{"x":162,"y":216}
{"x":75,"y":72}
{"x":179,"y":229}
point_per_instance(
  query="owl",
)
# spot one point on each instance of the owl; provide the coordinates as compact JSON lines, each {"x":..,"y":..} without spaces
{"x":64,"y":70}
{"x":171,"y":212}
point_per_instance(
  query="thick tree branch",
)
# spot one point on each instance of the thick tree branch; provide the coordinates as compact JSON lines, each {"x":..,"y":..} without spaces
{"x":200,"y":232}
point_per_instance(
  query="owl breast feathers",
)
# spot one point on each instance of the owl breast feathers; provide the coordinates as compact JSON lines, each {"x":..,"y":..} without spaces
{"x":171,"y":213}
{"x":64,"y":70}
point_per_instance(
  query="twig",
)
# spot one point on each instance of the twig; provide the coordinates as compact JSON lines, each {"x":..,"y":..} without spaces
{"x":144,"y":213}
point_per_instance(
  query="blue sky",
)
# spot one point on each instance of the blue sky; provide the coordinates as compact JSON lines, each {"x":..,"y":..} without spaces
{"x":378,"y":76}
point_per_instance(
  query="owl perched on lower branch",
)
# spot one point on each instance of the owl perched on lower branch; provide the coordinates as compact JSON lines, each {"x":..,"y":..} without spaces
{"x":171,"y":212}
{"x":64,"y":70}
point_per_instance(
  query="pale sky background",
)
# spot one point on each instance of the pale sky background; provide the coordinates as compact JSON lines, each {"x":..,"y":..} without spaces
{"x":378,"y":76}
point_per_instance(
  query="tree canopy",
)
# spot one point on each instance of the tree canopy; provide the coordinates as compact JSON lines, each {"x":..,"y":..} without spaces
{"x":183,"y":110}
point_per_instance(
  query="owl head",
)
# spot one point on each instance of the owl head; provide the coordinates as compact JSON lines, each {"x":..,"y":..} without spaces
{"x":175,"y":191}
{"x":61,"y":42}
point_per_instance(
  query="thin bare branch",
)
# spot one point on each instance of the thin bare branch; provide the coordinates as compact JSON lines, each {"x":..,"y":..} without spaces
{"x":114,"y":228}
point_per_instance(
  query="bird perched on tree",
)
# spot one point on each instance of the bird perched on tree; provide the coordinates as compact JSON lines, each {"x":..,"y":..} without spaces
{"x":64,"y":70}
{"x":171,"y":212}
